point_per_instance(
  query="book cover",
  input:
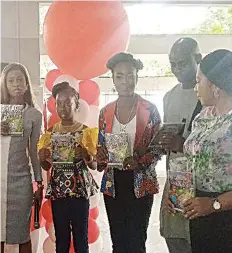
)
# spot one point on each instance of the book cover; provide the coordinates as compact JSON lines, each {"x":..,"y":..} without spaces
{"x":118,"y":148}
{"x":13,"y":115}
{"x":63,"y":148}
{"x":167,"y":128}
{"x":182,"y":188}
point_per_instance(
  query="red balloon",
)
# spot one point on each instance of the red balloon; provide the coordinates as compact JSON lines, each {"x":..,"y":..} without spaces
{"x":94,"y":213}
{"x":46,"y":211}
{"x":93,"y":231}
{"x":89,"y":91}
{"x":54,"y":118}
{"x":71,"y":249}
{"x":81,"y":36}
{"x":51,"y":77}
{"x":51,"y":104}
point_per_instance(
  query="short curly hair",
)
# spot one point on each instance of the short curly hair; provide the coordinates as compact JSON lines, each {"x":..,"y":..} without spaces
{"x":124,"y":57}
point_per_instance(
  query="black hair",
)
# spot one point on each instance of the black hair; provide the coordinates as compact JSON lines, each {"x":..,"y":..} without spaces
{"x":217,"y":67}
{"x":59,"y":87}
{"x":124,"y":57}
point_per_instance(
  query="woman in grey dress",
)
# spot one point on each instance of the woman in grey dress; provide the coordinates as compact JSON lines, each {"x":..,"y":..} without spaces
{"x":18,"y":152}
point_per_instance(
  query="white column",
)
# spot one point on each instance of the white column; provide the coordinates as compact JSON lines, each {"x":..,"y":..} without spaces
{"x":20,"y":38}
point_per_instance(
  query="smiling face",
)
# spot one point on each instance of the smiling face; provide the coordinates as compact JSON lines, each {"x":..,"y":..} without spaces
{"x":205,"y":89}
{"x":16,"y":83}
{"x":125,"y":78}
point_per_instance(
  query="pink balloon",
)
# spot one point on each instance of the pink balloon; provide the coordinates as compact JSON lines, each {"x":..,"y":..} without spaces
{"x":93,"y":231}
{"x":49,"y":246}
{"x":69,"y":79}
{"x":51,"y":104}
{"x":89,"y":91}
{"x":53,"y":119}
{"x":51,"y":77}
{"x":83,"y":111}
{"x":94,"y":213}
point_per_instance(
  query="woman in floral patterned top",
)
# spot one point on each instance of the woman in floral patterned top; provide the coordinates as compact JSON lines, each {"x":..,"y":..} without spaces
{"x":128,"y":190}
{"x":209,"y":153}
{"x":71,"y":184}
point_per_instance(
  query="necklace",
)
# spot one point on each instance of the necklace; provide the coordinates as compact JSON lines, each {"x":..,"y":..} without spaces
{"x":71,"y":128}
{"x":123,"y":126}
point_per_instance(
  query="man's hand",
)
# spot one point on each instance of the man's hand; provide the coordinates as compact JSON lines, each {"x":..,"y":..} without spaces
{"x":169,"y":205}
{"x":171,"y":142}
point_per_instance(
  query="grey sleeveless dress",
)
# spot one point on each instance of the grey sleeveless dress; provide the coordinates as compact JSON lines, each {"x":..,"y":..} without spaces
{"x":17,"y":153}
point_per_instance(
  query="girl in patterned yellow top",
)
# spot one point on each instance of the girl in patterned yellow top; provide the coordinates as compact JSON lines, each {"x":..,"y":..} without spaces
{"x":70,"y":185}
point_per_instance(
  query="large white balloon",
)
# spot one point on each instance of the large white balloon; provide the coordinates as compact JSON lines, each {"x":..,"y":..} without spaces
{"x":97,"y":246}
{"x":37,"y":238}
{"x":83,"y":111}
{"x":92,"y":120}
{"x":97,"y":176}
{"x":49,"y":246}
{"x":94,"y":200}
{"x":66,"y":78}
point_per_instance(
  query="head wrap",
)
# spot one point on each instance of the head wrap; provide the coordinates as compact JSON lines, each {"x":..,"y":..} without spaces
{"x":217,"y":67}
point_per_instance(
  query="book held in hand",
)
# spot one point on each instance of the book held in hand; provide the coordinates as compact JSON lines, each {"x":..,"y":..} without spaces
{"x":117,"y":145}
{"x":63,"y":148}
{"x":181,"y":188}
{"x":166,"y":129}
{"x":13,"y":115}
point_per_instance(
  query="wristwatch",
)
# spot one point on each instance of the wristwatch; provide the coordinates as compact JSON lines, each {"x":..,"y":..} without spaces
{"x":216,"y":204}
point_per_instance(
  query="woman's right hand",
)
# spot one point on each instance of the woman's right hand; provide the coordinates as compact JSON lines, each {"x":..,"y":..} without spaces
{"x":44,"y":154}
{"x":102,"y":155}
{"x":5,"y":128}
{"x":169,"y":205}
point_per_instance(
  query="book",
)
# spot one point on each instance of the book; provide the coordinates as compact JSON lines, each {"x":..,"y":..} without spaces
{"x":13,"y":115}
{"x":63,"y":148}
{"x":181,"y":188}
{"x":167,"y":128}
{"x":118,"y":148}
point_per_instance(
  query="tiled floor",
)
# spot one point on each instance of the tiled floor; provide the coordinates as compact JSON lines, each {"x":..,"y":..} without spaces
{"x":155,"y":243}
